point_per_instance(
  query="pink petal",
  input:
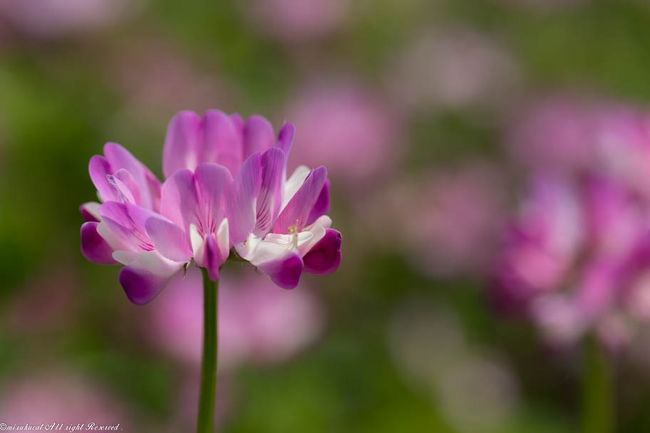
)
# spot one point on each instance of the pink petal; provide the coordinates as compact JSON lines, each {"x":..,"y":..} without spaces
{"x":285,"y":137}
{"x":127,"y":222}
{"x":94,"y":247}
{"x":270,"y":198}
{"x":243,"y":197}
{"x":212,"y":258}
{"x":140,"y":285}
{"x":169,"y":239}
{"x":99,"y":168}
{"x":285,"y":272}
{"x":182,"y":143}
{"x":325,"y":256}
{"x":322,"y":205}
{"x":213,"y":184}
{"x":222,"y":141}
{"x":258,"y":135}
{"x":296,"y":213}
{"x":179,"y":199}
{"x":120,"y":158}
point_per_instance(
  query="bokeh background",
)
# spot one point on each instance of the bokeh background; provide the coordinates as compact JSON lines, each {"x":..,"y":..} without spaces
{"x":430,"y":116}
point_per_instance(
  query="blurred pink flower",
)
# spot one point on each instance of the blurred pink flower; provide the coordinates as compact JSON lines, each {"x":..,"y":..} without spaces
{"x":51,"y":18}
{"x":295,"y":21}
{"x":335,"y":122}
{"x":553,"y":134}
{"x":456,"y":218}
{"x":46,"y":303}
{"x":454,"y":69}
{"x":566,"y":133}
{"x":257,"y":322}
{"x":576,"y":258}
{"x":60,"y":398}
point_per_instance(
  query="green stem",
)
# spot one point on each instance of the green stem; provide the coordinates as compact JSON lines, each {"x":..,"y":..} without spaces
{"x":205,"y":422}
{"x":597,"y":386}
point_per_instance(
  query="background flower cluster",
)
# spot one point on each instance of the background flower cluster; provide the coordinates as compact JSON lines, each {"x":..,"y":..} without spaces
{"x":489,"y":164}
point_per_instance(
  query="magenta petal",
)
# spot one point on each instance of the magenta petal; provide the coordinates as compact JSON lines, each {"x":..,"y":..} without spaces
{"x":99,"y":168}
{"x":270,"y":197}
{"x":213,"y":183}
{"x":169,"y":239}
{"x":87,"y":214}
{"x":285,"y":272}
{"x":258,"y":135}
{"x":94,"y":247}
{"x":178,"y":199}
{"x":241,"y":207}
{"x":285,"y":137}
{"x":325,"y":256}
{"x":322,"y":205}
{"x":222,"y":141}
{"x":141,"y":286}
{"x":212,"y":258}
{"x":296,"y":213}
{"x":182,"y":143}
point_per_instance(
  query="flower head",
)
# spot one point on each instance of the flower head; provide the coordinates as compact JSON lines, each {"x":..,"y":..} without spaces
{"x":575,"y":257}
{"x":225,"y":187}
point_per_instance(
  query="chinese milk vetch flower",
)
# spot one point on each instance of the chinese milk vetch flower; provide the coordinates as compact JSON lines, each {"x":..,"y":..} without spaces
{"x":575,"y":258}
{"x":225,"y":186}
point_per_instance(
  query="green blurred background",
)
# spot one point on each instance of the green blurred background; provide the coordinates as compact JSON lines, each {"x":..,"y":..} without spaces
{"x":402,"y":349}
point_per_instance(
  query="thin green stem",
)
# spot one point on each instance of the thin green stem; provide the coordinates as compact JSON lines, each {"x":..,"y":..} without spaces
{"x":597,"y":387}
{"x":205,"y":422}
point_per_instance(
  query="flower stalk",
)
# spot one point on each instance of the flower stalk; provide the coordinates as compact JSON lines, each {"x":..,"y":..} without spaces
{"x":205,"y":421}
{"x":597,"y":387}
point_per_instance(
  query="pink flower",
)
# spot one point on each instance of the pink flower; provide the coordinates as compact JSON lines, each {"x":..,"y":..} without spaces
{"x":48,"y":18}
{"x":575,"y":258}
{"x":573,"y":255}
{"x":335,"y":123}
{"x":454,"y":69}
{"x":226,"y":187}
{"x":554,"y":134}
{"x":256,"y":323}
{"x":452,"y":218}
{"x":298,"y":20}
{"x":44,"y":399}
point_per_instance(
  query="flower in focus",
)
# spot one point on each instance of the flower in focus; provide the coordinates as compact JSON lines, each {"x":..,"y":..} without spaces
{"x":225,"y":186}
{"x":337,"y":121}
{"x":575,"y":258}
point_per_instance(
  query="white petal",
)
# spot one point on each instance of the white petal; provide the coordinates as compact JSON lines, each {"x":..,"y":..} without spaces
{"x":293,"y":184}
{"x":195,"y":240}
{"x":222,"y":239}
{"x":125,"y":257}
{"x":111,"y":239}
